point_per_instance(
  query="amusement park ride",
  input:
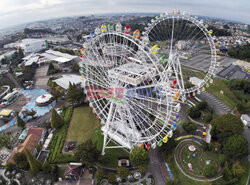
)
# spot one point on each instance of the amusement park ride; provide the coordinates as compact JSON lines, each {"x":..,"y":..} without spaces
{"x":136,"y":81}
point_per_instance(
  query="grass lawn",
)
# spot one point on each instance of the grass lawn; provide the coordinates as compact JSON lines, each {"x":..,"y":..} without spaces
{"x":82,"y":125}
{"x":228,"y":97}
{"x":189,"y":158}
{"x":180,"y":178}
{"x":110,"y":159}
{"x":61,"y":171}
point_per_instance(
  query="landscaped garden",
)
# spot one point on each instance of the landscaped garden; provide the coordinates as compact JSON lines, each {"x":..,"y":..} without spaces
{"x":195,"y":162}
{"x":110,"y":159}
{"x":57,"y":142}
{"x":82,"y":125}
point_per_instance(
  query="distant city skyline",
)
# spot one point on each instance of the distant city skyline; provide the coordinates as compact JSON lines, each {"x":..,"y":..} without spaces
{"x":14,"y":12}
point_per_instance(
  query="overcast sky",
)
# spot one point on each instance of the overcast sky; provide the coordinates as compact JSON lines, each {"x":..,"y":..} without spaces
{"x":13,"y":12}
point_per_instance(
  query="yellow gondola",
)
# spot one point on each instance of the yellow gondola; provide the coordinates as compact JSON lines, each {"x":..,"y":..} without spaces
{"x":104,"y":28}
{"x":165,"y":139}
{"x":154,"y":49}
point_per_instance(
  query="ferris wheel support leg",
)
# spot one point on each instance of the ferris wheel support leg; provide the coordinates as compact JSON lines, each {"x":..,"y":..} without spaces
{"x":107,"y":128}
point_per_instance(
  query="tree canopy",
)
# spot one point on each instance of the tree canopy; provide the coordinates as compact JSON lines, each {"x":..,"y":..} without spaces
{"x":87,"y":152}
{"x":56,"y":120}
{"x":189,"y":126}
{"x":47,"y":168}
{"x":236,"y":146}
{"x":21,"y":161}
{"x":99,"y":174}
{"x":20,"y":122}
{"x":122,"y":172}
{"x":35,"y":164}
{"x":139,"y":156}
{"x":226,"y":125}
{"x":75,"y":94}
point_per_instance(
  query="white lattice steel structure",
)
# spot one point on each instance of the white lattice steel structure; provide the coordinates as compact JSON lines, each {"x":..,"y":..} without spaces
{"x":184,"y":35}
{"x":128,"y":91}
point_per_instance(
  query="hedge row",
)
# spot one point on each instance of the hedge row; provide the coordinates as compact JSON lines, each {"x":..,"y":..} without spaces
{"x":57,"y":142}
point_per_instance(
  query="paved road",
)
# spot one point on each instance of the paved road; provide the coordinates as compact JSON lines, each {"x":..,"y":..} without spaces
{"x":219,"y":107}
{"x":156,"y":161}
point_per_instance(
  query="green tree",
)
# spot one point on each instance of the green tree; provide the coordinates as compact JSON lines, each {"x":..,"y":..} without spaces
{"x":210,"y":170}
{"x":236,"y":146}
{"x":35,"y":164}
{"x":225,"y":126}
{"x":21,"y":161}
{"x":222,"y":159}
{"x":75,"y":94}
{"x":122,"y":172}
{"x":75,"y":67}
{"x":47,"y":168}
{"x":193,"y":112}
{"x":88,"y":153}
{"x":20,"y":122}
{"x":9,"y":166}
{"x":56,"y":120}
{"x":238,"y":169}
{"x":31,"y":113}
{"x":201,"y":105}
{"x":189,"y":126}
{"x":227,"y":174}
{"x":111,"y":178}
{"x":142,"y":170}
{"x":99,"y":174}
{"x":139,"y":156}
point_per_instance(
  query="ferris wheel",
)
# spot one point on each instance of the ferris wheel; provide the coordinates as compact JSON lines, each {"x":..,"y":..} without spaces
{"x":185,"y":47}
{"x":126,"y":89}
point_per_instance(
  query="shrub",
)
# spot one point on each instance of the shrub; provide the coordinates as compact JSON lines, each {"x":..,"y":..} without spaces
{"x":210,"y":170}
{"x":201,"y":105}
{"x":189,"y":126}
{"x":221,"y":159}
{"x":99,"y":174}
{"x":193,"y":112}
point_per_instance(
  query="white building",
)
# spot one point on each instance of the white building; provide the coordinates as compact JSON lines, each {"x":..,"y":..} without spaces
{"x":33,"y":45}
{"x":29,"y":45}
{"x":73,"y":79}
{"x":196,"y":81}
{"x":245,"y":119}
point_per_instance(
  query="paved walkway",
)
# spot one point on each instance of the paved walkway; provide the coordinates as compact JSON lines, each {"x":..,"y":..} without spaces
{"x":219,"y":107}
{"x":155,"y":166}
{"x":137,"y":182}
{"x":2,"y":172}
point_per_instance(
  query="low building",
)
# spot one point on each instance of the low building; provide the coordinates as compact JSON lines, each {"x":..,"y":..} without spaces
{"x":40,"y":132}
{"x":23,"y":135}
{"x":29,"y":45}
{"x":30,"y":144}
{"x":73,"y":171}
{"x":196,"y":81}
{"x":245,"y":119}
{"x":123,"y":162}
{"x":64,"y":81}
{"x":7,"y":114}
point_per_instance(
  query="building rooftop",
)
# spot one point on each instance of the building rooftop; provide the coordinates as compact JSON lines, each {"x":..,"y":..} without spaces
{"x":35,"y":131}
{"x":245,"y":117}
{"x":6,"y":112}
{"x":65,"y":79}
{"x":23,"y":134}
{"x":73,"y":170}
{"x":30,"y":144}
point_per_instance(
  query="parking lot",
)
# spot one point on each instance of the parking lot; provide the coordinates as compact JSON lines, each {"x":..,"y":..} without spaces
{"x":202,"y":62}
{"x":233,"y":72}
